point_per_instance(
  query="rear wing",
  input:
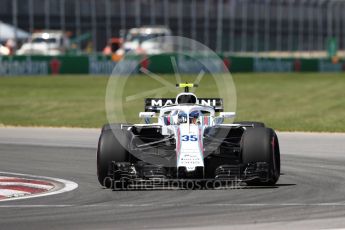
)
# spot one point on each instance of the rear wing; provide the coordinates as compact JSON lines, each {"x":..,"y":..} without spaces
{"x":155,"y":104}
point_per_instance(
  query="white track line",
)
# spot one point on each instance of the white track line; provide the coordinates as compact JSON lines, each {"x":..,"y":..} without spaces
{"x":5,"y":177}
{"x":334,"y":229}
{"x":174,"y":205}
{"x":68,"y":186}
{"x":12,"y":193}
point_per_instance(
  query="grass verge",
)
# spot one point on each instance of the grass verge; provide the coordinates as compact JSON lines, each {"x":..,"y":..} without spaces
{"x":286,"y":102}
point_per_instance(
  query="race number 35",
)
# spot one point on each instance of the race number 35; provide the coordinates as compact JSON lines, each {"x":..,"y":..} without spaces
{"x":189,"y":138}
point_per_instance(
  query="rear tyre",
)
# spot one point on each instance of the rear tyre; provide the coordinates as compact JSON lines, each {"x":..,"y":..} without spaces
{"x":261,"y":145}
{"x":111,"y":147}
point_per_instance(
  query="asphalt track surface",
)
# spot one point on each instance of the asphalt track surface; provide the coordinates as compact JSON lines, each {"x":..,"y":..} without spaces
{"x":310,"y":193}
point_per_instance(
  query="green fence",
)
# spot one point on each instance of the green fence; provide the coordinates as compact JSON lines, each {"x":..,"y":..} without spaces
{"x":164,"y":63}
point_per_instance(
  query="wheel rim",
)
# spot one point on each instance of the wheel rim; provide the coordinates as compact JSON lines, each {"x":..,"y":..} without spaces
{"x":276,"y":168}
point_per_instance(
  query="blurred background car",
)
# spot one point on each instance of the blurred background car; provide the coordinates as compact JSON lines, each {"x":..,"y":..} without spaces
{"x":10,"y":37}
{"x":148,"y":40}
{"x":50,"y":42}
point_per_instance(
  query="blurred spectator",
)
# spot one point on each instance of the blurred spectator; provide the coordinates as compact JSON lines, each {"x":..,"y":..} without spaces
{"x":89,"y":48}
{"x":11,"y":45}
{"x":4,"y":50}
{"x":107,"y":50}
{"x":112,"y":46}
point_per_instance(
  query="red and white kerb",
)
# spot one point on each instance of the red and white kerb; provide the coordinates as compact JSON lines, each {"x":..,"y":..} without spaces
{"x":17,"y":187}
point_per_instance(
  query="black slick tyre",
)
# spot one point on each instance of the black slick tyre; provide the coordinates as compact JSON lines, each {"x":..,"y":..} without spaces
{"x":261,"y":145}
{"x":111,"y":147}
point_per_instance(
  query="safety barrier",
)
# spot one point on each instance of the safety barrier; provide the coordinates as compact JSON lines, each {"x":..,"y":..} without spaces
{"x":164,"y":63}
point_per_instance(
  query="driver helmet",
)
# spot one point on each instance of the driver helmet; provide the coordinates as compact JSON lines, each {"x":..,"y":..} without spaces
{"x":194,"y":117}
{"x":182,"y":117}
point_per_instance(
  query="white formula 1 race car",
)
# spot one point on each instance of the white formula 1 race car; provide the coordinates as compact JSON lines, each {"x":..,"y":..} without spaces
{"x":188,"y":143}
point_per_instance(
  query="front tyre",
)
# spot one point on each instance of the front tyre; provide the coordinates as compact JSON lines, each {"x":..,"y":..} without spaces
{"x":261,"y":145}
{"x":111,"y":147}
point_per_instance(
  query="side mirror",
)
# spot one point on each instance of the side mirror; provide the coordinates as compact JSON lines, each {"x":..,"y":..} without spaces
{"x":227,"y":114}
{"x":147,"y":114}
